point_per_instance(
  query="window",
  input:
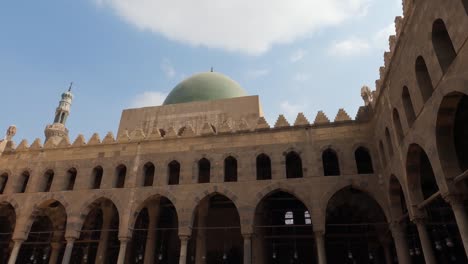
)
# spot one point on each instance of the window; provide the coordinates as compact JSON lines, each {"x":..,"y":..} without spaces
{"x":307,"y":218}
{"x":3,"y":182}
{"x":230,"y":169}
{"x":293,"y":165}
{"x":443,"y":46}
{"x":204,"y":168}
{"x":424,"y":79}
{"x":389,"y":141}
{"x":331,"y":166}
{"x":49,"y":177}
{"x":24,"y":183}
{"x":289,"y":218}
{"x":397,"y":125}
{"x":71,"y":177}
{"x":120,"y":173}
{"x":97,"y":177}
{"x":363,"y":161}
{"x":263,"y":167}
{"x":174,"y":172}
{"x":148,"y":174}
{"x":408,"y":106}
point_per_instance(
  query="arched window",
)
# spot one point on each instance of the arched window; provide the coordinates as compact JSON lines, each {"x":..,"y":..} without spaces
{"x":71,"y":178}
{"x":120,"y":174}
{"x":263,"y":167}
{"x":3,"y":182}
{"x":174,"y":172}
{"x":307,"y":219}
{"x":443,"y":46}
{"x":230,"y":169}
{"x":424,"y":79}
{"x":331,"y":166}
{"x":49,"y":178}
{"x":289,"y":218}
{"x":389,"y":141}
{"x":24,"y":182}
{"x":363,"y":161}
{"x":148,"y":174}
{"x":97,"y":177}
{"x":383,"y":156}
{"x":397,"y":125}
{"x":408,"y":106}
{"x":204,"y":168}
{"x":293,"y":165}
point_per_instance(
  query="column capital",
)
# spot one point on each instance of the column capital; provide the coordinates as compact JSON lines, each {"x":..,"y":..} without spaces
{"x":18,"y":240}
{"x":55,"y":245}
{"x":319,"y":232}
{"x":453,"y":199}
{"x":71,"y":239}
{"x":247,"y":235}
{"x":184,"y":238}
{"x":419,"y":220}
{"x":124,"y":239}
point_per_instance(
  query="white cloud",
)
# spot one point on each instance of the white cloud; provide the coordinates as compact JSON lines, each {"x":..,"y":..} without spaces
{"x":290,"y":110}
{"x":380,"y":39}
{"x":168,"y":69}
{"x":247,"y":26}
{"x":254,"y":74}
{"x":350,"y":47}
{"x":297,"y":55}
{"x":148,"y":99}
{"x":301,"y":77}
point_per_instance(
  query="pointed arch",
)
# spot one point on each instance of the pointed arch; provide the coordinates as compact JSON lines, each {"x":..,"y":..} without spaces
{"x":397,"y":198}
{"x":49,"y":179}
{"x":363,"y":161}
{"x":443,"y":45}
{"x":397,"y":125}
{"x":3,"y":182}
{"x":408,"y":106}
{"x":97,"y":177}
{"x":120,"y":175}
{"x":424,"y":79}
{"x":263,"y":164}
{"x":230,"y":169}
{"x":204,"y":170}
{"x":70,"y":179}
{"x":293,"y":165}
{"x":173,"y":171}
{"x":331,"y":165}
{"x":148,"y":174}
{"x":420,"y":175}
{"x":465,"y":5}
{"x":24,"y":180}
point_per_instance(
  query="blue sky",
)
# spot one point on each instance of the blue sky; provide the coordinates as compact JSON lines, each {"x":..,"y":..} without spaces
{"x":298,"y":55}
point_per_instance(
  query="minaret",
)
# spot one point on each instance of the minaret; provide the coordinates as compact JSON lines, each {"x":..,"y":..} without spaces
{"x":57,"y":130}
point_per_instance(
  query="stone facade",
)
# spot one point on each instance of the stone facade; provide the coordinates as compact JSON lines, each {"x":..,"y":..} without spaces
{"x":408,"y":143}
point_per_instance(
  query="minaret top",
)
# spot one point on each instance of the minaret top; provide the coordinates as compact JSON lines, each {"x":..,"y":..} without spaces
{"x":58,"y":129}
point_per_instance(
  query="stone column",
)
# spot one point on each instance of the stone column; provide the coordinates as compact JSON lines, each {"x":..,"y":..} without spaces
{"x":461,"y":217}
{"x":183,"y":249}
{"x":104,"y":239}
{"x":55,"y":251}
{"x":425,"y":241}
{"x":153,"y":212}
{"x":122,"y":250}
{"x":401,"y":243}
{"x":68,"y":250}
{"x":320,"y":243}
{"x":15,"y":251}
{"x":247,"y":248}
{"x":200,"y":251}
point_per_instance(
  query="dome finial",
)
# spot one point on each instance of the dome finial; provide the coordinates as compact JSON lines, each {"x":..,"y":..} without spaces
{"x":71,"y":85}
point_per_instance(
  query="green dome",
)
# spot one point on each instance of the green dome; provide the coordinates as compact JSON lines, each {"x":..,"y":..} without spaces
{"x":205,"y":86}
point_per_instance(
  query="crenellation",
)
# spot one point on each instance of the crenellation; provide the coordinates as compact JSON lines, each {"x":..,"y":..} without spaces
{"x":109,"y":138}
{"x":36,"y":145}
{"x":321,"y":118}
{"x":225,"y":127}
{"x":342,"y":116}
{"x":23,"y":145}
{"x":301,"y":120}
{"x":281,"y":122}
{"x":262,"y":124}
{"x":94,"y":140}
{"x":170,"y":133}
{"x":207,"y":130}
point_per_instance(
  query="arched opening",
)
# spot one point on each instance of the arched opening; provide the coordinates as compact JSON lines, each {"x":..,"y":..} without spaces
{"x":363,"y":161}
{"x":24,"y":179}
{"x":155,"y":235}
{"x":452,"y":132}
{"x":388,"y":138}
{"x":331,"y":165}
{"x":397,"y":125}
{"x":440,"y":221}
{"x":97,"y":177}
{"x":49,"y":179}
{"x":46,"y":242}
{"x":216,"y":236}
{"x":283,"y":231}
{"x":263,"y":163}
{"x":442,"y":44}
{"x":230,"y":169}
{"x":382,"y":153}
{"x":148,"y":174}
{"x":71,"y":178}
{"x":98,"y":239}
{"x":174,"y":172}
{"x":355,"y":226}
{"x":3,"y":182}
{"x":408,"y":106}
{"x":204,"y":168}
{"x":120,"y":174}
{"x":424,"y":79}
{"x":465,"y":5}
{"x":293,"y":165}
{"x":7,"y":226}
